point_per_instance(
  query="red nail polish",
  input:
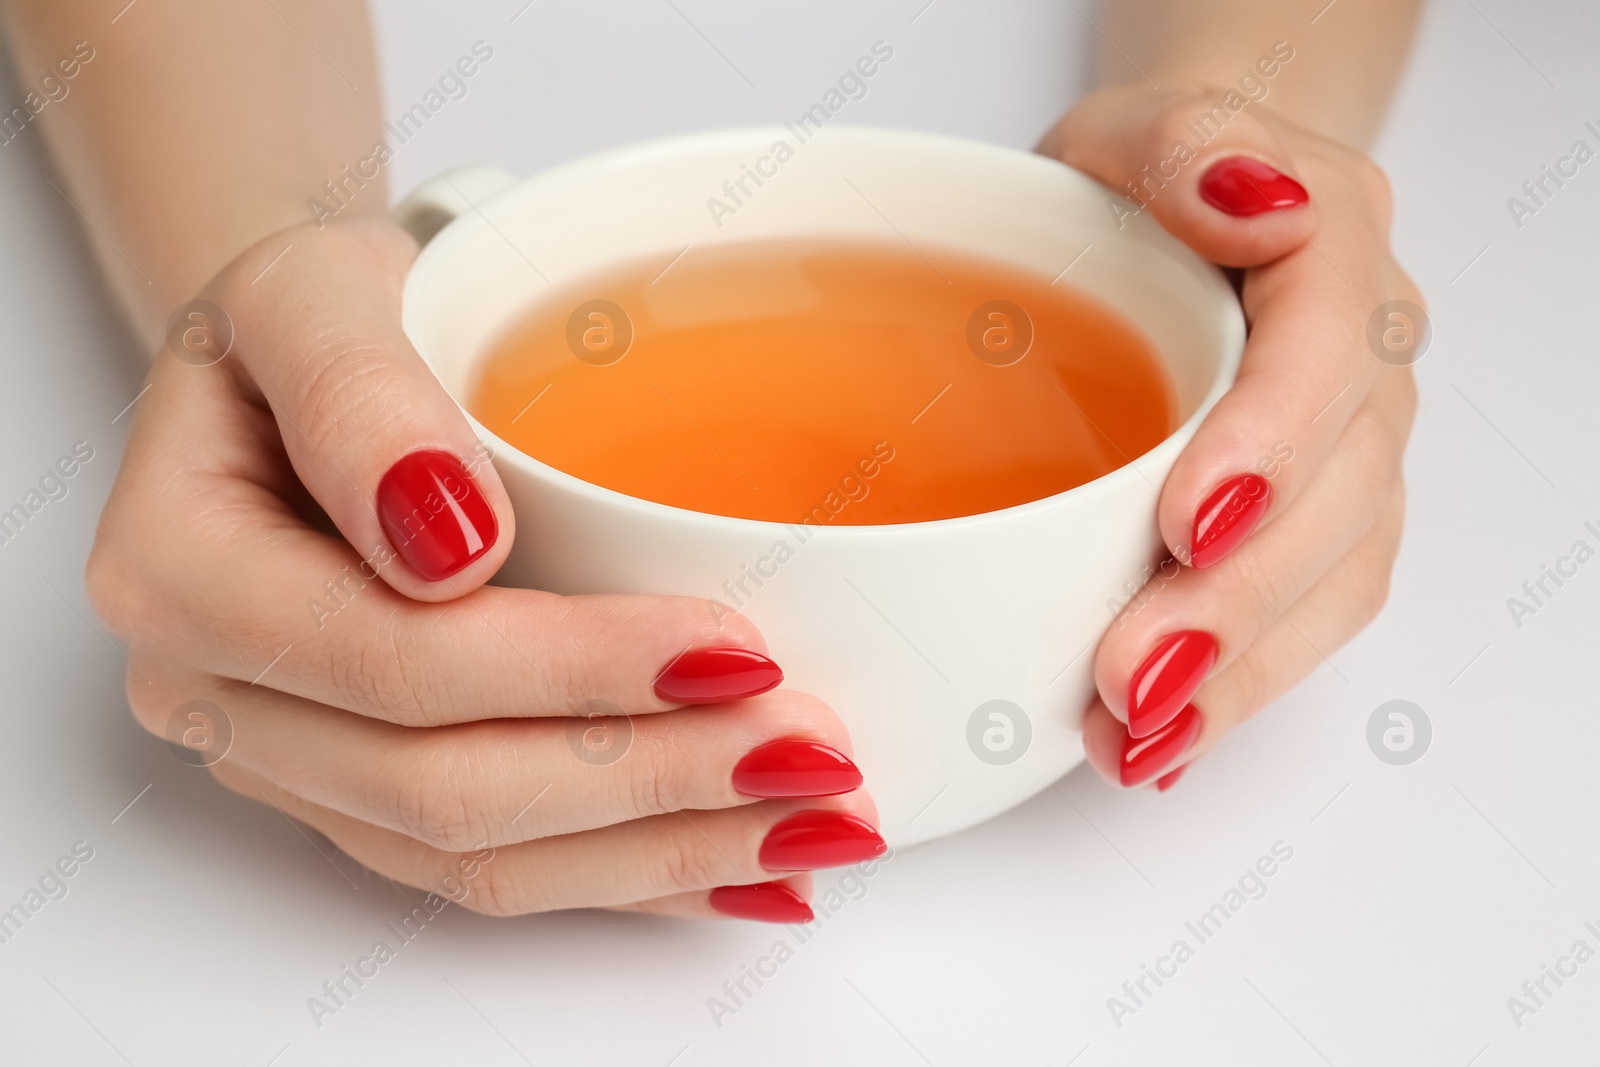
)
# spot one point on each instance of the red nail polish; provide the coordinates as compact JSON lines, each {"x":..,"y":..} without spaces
{"x":710,"y":675}
{"x":795,"y":768}
{"x":1167,"y":679}
{"x":767,"y":902}
{"x":1145,"y":758}
{"x":812,"y":840}
{"x":1243,"y":186}
{"x":1226,"y":517}
{"x":434,"y":514}
{"x":1170,"y":779}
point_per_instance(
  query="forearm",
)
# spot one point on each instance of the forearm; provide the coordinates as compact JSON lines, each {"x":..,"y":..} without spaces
{"x":198,"y":127}
{"x":1338,"y":83}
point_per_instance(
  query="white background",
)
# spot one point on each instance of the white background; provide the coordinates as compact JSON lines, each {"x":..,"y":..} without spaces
{"x":1417,"y":900}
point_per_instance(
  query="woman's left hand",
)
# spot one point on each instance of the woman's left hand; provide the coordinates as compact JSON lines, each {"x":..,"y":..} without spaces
{"x":1283,"y":514}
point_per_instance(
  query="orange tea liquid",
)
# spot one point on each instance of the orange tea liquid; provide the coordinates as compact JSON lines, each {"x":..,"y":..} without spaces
{"x":826,"y":382}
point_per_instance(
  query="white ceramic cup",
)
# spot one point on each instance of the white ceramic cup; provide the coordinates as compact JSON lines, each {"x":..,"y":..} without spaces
{"x":959,"y":652}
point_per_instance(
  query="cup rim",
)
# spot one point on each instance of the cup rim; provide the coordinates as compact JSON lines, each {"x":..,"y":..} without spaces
{"x":458,"y":229}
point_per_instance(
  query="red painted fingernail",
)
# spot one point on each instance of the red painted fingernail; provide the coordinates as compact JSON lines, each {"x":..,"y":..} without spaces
{"x":1226,"y":517}
{"x":767,"y":902}
{"x":1145,"y":758}
{"x":795,"y":768}
{"x":709,"y":675}
{"x":1243,"y":186}
{"x":434,"y":514}
{"x":1167,"y":679}
{"x":1170,"y":779}
{"x":812,"y":840}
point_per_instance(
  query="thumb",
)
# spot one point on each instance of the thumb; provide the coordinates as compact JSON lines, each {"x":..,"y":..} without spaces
{"x":368,"y":428}
{"x":1216,"y":177}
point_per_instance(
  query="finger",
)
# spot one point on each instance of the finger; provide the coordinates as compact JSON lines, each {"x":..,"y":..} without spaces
{"x":1347,"y":598}
{"x":662,"y":856}
{"x":200,"y":559}
{"x":1334,"y":611}
{"x":498,"y":782}
{"x":782,"y":901}
{"x":1307,"y":365}
{"x":1203,"y":164}
{"x":1306,"y":370}
{"x":1188,"y":623}
{"x":261,"y":598}
{"x":503,"y":653}
{"x":370,"y":431}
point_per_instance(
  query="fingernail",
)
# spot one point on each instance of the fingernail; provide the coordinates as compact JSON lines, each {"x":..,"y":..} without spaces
{"x":1243,"y":186}
{"x":766,"y":902}
{"x":1226,"y":517}
{"x":1145,"y":758}
{"x":1170,"y":779}
{"x":795,"y":768}
{"x":709,"y":675}
{"x":1167,"y":679}
{"x":434,"y":514}
{"x":813,"y":840}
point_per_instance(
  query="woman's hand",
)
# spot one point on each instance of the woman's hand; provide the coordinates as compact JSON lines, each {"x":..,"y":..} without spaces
{"x":300,"y":534}
{"x":1283,"y":515}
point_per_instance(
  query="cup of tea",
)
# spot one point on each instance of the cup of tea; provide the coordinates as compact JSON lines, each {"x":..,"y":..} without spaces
{"x":905,"y":401}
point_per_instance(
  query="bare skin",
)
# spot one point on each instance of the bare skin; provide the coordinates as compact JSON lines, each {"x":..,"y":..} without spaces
{"x":415,"y":726}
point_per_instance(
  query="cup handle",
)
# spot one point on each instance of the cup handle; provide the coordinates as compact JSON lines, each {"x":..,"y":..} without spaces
{"x":433,"y":205}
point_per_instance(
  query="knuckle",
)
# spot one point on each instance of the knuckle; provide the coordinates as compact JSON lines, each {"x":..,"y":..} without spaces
{"x":438,"y":805}
{"x":499,"y":893}
{"x":1200,"y":106}
{"x":686,"y":862}
{"x":1374,"y":185}
{"x":1378,"y":578}
{"x":651,"y":784}
{"x":231,"y":287}
{"x":149,"y":710}
{"x":1271,"y":586}
{"x":1374,"y":591}
{"x":1250,"y":685}
{"x":240,"y":283}
{"x":1379,"y":440}
{"x":382,"y":674}
{"x":1372,"y":442}
{"x":570,"y":629}
{"x":1168,"y":125}
{"x":117,"y":592}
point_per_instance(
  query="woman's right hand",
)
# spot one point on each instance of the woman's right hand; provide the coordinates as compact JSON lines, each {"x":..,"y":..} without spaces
{"x":382,"y":693}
